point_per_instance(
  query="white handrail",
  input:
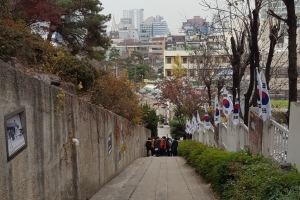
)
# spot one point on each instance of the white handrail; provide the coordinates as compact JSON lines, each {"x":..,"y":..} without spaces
{"x":278,"y":141}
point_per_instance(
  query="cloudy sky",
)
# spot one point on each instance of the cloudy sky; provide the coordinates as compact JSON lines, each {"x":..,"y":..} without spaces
{"x":173,"y":11}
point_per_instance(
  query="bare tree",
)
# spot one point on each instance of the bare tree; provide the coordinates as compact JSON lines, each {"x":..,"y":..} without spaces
{"x":210,"y":57}
{"x":247,"y":42}
{"x":291,"y":22}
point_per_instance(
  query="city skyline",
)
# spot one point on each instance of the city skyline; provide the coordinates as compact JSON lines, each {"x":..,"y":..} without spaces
{"x":173,"y":16}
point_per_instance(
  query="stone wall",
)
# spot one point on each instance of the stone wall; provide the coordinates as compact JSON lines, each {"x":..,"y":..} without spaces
{"x":52,"y":167}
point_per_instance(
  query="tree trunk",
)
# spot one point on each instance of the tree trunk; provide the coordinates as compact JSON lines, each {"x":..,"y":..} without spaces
{"x":273,"y":41}
{"x":238,"y":72}
{"x":256,"y":53}
{"x":209,"y":93}
{"x":235,"y":66}
{"x":254,"y":62}
{"x":292,"y":32}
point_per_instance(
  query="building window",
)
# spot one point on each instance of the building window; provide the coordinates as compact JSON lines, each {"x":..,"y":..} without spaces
{"x":192,"y":72}
{"x":192,"y":60}
{"x":184,"y":60}
{"x":217,"y":60}
{"x":169,"y":60}
{"x":221,"y":60}
{"x":200,"y":60}
{"x":168,"y":72}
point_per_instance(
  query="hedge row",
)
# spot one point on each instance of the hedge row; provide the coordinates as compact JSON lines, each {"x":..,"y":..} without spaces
{"x":241,"y":175}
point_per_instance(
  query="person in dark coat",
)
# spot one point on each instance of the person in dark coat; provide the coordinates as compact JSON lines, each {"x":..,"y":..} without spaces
{"x":163,"y":146}
{"x":148,"y":146}
{"x":174,"y":147}
{"x":169,"y":143}
{"x":152,"y":146}
{"x":157,"y":146}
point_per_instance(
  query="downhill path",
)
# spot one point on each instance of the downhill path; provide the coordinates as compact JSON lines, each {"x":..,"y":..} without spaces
{"x":156,"y":178}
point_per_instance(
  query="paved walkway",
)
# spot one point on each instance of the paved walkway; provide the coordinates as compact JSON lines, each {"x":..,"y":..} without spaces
{"x":165,"y":131}
{"x":156,"y":178}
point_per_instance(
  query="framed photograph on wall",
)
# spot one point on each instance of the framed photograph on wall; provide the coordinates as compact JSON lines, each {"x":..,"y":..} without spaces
{"x":15,"y":133}
{"x":109,"y":143}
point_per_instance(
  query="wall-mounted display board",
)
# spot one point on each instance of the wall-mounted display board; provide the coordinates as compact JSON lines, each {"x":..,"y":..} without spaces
{"x":109,"y":145}
{"x":15,"y":133}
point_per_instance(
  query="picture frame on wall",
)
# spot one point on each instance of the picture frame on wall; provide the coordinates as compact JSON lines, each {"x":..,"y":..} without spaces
{"x":15,"y":133}
{"x":109,"y":143}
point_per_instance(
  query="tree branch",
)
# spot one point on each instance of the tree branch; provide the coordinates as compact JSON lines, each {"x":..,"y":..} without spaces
{"x":271,"y":12}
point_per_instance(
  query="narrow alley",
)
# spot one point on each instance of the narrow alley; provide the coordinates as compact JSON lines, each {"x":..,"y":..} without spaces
{"x":156,"y":178}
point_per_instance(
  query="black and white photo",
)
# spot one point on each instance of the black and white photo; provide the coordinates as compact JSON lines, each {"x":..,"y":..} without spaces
{"x":15,"y":133}
{"x":109,"y":141}
{"x":137,"y":143}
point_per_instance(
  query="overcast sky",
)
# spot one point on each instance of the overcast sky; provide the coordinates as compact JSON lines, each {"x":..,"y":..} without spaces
{"x":173,"y":11}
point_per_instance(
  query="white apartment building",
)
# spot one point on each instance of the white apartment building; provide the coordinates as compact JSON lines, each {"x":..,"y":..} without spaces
{"x":189,"y":62}
{"x":145,"y":31}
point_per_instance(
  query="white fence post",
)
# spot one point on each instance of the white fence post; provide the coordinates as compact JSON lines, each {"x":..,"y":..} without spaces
{"x":242,"y":131}
{"x":222,"y":136}
{"x":278,"y":141}
{"x":294,"y":135}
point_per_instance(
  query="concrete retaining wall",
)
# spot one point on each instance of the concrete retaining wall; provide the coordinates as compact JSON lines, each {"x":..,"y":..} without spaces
{"x":51,"y":167}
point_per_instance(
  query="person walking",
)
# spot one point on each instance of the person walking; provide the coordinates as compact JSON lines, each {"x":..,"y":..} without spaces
{"x":168,"y":144}
{"x":152,"y":146}
{"x":174,"y":147}
{"x":157,"y":146}
{"x":163,"y":146}
{"x":148,"y":146}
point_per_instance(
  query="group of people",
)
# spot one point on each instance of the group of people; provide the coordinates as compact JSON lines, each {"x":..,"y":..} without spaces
{"x":161,"y":146}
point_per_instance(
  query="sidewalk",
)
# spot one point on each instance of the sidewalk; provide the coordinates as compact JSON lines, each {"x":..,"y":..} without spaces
{"x":156,"y":178}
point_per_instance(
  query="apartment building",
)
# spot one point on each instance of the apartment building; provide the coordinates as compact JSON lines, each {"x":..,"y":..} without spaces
{"x":278,"y":7}
{"x":145,"y":31}
{"x":152,"y":50}
{"x":193,"y":64}
{"x":159,"y":28}
{"x":279,"y":82}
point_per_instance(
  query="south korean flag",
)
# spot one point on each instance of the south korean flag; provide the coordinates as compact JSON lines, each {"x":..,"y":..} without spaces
{"x":227,"y":103}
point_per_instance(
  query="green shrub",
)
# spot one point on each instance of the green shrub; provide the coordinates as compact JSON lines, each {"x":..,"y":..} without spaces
{"x":241,"y":175}
{"x":71,"y":69}
{"x":17,"y":40}
{"x":177,"y":129}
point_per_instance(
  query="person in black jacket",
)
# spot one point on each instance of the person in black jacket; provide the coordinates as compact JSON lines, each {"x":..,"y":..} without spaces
{"x":148,"y":146}
{"x":174,"y":147}
{"x":169,"y":143}
{"x":157,"y":146}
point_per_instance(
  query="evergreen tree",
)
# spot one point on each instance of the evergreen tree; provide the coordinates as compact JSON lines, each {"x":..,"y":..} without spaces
{"x":150,"y":119}
{"x":83,"y":28}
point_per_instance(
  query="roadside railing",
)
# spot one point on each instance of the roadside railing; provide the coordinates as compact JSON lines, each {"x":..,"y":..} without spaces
{"x":275,"y":140}
{"x":223,"y":136}
{"x":243,"y":133}
{"x":278,"y":141}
